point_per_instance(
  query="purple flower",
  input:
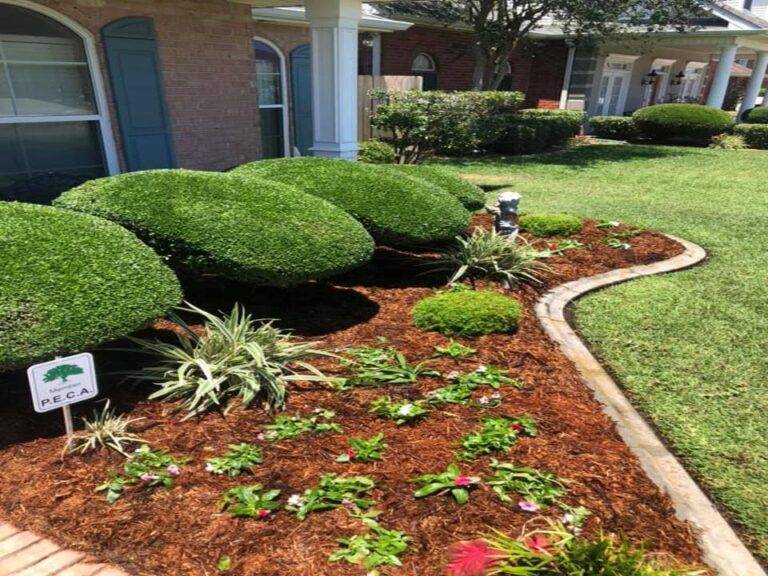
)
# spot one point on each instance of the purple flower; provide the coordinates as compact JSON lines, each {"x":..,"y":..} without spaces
{"x":348,"y":504}
{"x":173,"y":470}
{"x":146,"y":477}
{"x":528,"y":506}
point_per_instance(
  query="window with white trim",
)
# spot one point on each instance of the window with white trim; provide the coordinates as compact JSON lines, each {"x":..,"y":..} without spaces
{"x":50,"y":136}
{"x":270,"y":88}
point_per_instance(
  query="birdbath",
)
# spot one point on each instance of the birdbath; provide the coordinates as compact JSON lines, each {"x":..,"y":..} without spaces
{"x":507,"y":217}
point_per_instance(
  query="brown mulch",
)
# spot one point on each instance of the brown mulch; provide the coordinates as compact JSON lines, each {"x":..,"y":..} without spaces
{"x":181,"y":531}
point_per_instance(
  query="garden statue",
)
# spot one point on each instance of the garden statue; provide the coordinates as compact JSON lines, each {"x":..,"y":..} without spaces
{"x":507,"y":214}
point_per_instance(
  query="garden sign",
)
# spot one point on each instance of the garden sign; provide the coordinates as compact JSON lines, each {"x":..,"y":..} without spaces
{"x":62,"y":382}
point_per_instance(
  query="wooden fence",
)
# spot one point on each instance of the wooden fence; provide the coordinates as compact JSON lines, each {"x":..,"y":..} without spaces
{"x":366,"y":106}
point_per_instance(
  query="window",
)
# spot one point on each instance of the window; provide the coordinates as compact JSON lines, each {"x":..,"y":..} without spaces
{"x":270,"y":89}
{"x":50,"y":125}
{"x":424,"y":66}
{"x":747,"y":4}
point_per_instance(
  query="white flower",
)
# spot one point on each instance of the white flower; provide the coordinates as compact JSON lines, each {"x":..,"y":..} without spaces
{"x":209,"y":467}
{"x":261,"y":436}
{"x":614,"y":224}
{"x":484,"y":400}
{"x":405,"y":410}
{"x":568,"y":518}
{"x":453,"y":375}
{"x":481,"y":369}
{"x":318,"y":410}
{"x":496,"y":396}
{"x":295,"y":500}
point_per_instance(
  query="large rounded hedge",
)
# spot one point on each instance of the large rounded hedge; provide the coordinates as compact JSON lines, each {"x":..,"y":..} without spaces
{"x":462,"y":312}
{"x":71,"y":281}
{"x":756,"y":116}
{"x":472,"y":197}
{"x":692,"y":122}
{"x":395,"y":210}
{"x":246,"y":229}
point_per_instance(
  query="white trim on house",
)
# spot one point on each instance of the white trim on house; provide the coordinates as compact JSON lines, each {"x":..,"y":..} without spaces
{"x":297,"y":16}
{"x":283,"y":92}
{"x":94,"y":68}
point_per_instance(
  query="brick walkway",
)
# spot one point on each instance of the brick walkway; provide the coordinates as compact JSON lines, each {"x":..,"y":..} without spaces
{"x":27,"y":554}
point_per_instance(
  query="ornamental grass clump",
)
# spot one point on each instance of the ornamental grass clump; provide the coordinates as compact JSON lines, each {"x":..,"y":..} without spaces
{"x":497,"y":435}
{"x":547,"y":225}
{"x":106,"y":429}
{"x":488,"y":254}
{"x":381,"y":366}
{"x":348,"y":492}
{"x":452,"y":482}
{"x":240,"y":458}
{"x":236,"y":361}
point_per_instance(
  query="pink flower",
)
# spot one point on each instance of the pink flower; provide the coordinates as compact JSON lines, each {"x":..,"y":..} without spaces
{"x":148,"y":477}
{"x":528,"y":506}
{"x":463,"y":481}
{"x":348,"y":504}
{"x":539,"y":545}
{"x":173,"y":470}
{"x":351,"y":453}
{"x":263,"y":513}
{"x":472,"y":558}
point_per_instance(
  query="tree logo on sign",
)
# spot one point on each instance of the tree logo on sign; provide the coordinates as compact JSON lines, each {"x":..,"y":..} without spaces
{"x":62,"y":373}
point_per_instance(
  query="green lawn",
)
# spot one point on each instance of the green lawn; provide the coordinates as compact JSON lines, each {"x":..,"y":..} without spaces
{"x":691,"y":347}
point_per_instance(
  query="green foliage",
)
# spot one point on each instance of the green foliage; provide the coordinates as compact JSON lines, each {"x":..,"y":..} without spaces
{"x":378,"y":547}
{"x":451,"y":481}
{"x":333,"y":492}
{"x":497,"y":434}
{"x":547,"y":225}
{"x":364,"y":450}
{"x":246,"y":229}
{"x":290,"y":427}
{"x":487,"y":254}
{"x":376,"y":366}
{"x":471,"y":197}
{"x":240,"y":458}
{"x":536,"y":130}
{"x":401,"y":412}
{"x":451,"y":123}
{"x":105,"y":430}
{"x":395,"y":210}
{"x":687,"y":122}
{"x":250,"y":501}
{"x":467,"y":313}
{"x":521,"y":139}
{"x":145,"y":468}
{"x":235,"y":362}
{"x":530,"y":484}
{"x":71,"y":282}
{"x":614,"y":127}
{"x":756,"y":116}
{"x":492,"y":376}
{"x":456,"y":393}
{"x":754,"y":135}
{"x":454,"y":350}
{"x":728,"y":142}
{"x":376,"y":152}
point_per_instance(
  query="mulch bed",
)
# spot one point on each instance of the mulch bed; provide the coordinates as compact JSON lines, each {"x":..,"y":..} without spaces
{"x":181,"y":531}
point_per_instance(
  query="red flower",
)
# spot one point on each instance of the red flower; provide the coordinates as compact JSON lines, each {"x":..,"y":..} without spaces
{"x":472,"y":559}
{"x":539,"y":545}
{"x":263,"y":513}
{"x":463,"y":481}
{"x":351,"y":453}
{"x":516,"y":427}
{"x":553,"y":246}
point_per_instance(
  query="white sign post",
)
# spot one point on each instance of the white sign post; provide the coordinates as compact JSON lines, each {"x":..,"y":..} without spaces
{"x":62,"y":382}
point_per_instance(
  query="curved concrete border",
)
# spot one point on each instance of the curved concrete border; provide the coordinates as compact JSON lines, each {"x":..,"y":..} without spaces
{"x":722,"y":548}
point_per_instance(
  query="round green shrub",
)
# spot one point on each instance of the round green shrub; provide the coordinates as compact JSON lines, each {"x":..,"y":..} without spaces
{"x":688,"y":122}
{"x":245,"y":229}
{"x":395,"y":210}
{"x":468,"y":313}
{"x":472,"y":197}
{"x":754,"y":135}
{"x":72,"y":281}
{"x":756,"y":116}
{"x":546,"y":225}
{"x":614,"y":127}
{"x":376,"y":152}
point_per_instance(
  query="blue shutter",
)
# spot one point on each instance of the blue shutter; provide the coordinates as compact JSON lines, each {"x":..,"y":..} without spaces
{"x":301,"y":87}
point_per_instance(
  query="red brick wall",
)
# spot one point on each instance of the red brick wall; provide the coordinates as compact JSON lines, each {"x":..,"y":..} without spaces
{"x":208,"y":72}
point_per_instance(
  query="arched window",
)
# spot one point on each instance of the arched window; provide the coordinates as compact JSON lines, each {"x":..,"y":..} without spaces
{"x":53,"y":130}
{"x":271,"y":88}
{"x":424,"y":66}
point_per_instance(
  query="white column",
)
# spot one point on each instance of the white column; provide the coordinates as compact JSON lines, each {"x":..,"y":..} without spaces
{"x":567,"y":77}
{"x":755,"y":82}
{"x":334,"y":25}
{"x":722,"y":76}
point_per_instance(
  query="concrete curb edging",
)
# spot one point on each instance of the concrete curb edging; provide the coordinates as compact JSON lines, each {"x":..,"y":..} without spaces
{"x":722,"y":548}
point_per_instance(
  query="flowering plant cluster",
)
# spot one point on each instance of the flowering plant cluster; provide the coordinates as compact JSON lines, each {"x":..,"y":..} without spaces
{"x":290,"y":427}
{"x":378,"y":547}
{"x":146,"y":468}
{"x":374,"y":366}
{"x":487,"y":376}
{"x":453,"y":350}
{"x":452,"y":394}
{"x":364,"y":450}
{"x":250,"y":501}
{"x":536,"y":489}
{"x":401,"y":412}
{"x":451,"y":481}
{"x":497,"y":434}
{"x":332,"y":492}
{"x":240,"y":458}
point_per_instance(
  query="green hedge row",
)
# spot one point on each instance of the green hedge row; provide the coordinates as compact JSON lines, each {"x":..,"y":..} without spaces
{"x":532,"y":131}
{"x":72,"y":281}
{"x":756,"y":116}
{"x":247,"y":229}
{"x":614,"y":127}
{"x":754,"y":135}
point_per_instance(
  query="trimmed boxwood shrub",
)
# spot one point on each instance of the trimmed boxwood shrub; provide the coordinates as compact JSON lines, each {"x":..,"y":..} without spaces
{"x":755,"y":135}
{"x":71,"y":281}
{"x":545,"y":225}
{"x":395,"y":210}
{"x":376,"y":152}
{"x":755,"y":116}
{"x":472,"y":197}
{"x":245,"y":229}
{"x":535,"y":130}
{"x":614,"y":127}
{"x":465,"y":312}
{"x":687,"y":122}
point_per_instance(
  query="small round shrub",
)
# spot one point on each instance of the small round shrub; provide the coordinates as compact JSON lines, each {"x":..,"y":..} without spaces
{"x":395,"y":210}
{"x":687,"y":122}
{"x":71,"y":281}
{"x":754,"y":135}
{"x":376,"y":152}
{"x":472,"y":197}
{"x":468,"y":313}
{"x":561,"y":124}
{"x":245,"y":229}
{"x":546,"y":225}
{"x":756,"y":116}
{"x":614,"y":127}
